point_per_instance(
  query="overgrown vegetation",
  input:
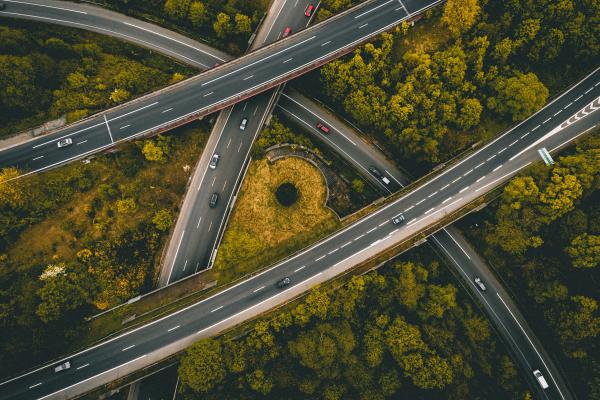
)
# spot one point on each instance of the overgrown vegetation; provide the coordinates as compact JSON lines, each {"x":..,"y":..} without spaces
{"x":261,"y":230}
{"x":543,"y":236}
{"x":47,"y":71}
{"x":403,"y":331}
{"x":81,"y":238}
{"x":431,"y":91}
{"x":226,"y":24}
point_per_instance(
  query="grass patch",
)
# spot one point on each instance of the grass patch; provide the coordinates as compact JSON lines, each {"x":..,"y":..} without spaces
{"x":261,"y":230}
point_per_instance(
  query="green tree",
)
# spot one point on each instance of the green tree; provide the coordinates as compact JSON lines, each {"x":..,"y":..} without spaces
{"x":119,"y":95}
{"x":11,"y":190}
{"x":585,"y":251}
{"x":198,"y":14}
{"x":260,"y":382}
{"x":17,"y":82}
{"x":126,"y":206}
{"x":222,"y":25}
{"x":460,"y":15}
{"x":439,"y":299}
{"x":177,"y":9}
{"x":470,"y":113}
{"x":243,"y":23}
{"x":202,"y":367}
{"x":358,"y":185}
{"x":519,"y":96}
{"x":163,"y":219}
{"x":579,"y":320}
{"x":153,"y":152}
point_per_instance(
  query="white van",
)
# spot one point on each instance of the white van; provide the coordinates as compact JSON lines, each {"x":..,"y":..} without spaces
{"x":540,"y":378}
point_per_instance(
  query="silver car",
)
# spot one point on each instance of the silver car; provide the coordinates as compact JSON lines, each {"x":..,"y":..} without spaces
{"x":214,"y":161}
{"x":243,"y":123}
{"x":62,"y":367}
{"x":64,"y":142}
{"x":479,"y":283}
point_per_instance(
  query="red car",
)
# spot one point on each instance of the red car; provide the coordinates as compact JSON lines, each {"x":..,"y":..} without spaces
{"x":286,"y":32}
{"x":322,"y":127}
{"x":309,"y":10}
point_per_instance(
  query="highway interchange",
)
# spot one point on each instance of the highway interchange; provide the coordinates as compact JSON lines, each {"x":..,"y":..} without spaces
{"x":542,"y":127}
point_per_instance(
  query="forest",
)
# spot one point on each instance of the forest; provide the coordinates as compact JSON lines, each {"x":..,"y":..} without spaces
{"x":542,"y":236}
{"x":404,"y":330}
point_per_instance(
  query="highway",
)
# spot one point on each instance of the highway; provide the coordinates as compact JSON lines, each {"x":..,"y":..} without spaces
{"x":567,"y":117}
{"x":215,"y":89}
{"x":194,"y":240}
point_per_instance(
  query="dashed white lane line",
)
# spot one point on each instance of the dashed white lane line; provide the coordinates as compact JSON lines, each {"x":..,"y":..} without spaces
{"x":419,"y":202}
{"x":228,"y":143}
{"x":502,"y":177}
{"x":556,"y":113}
{"x":383,"y":223}
{"x":37,"y":158}
{"x":128,"y":347}
{"x":428,"y":211}
{"x":185,"y":265}
{"x":225,"y":184}
{"x":457,"y":179}
{"x":463,"y":189}
{"x":216,"y":309}
{"x":173,"y":328}
{"x":513,"y":143}
{"x":167,"y":110}
{"x":108,"y":127}
{"x":248,"y":77}
{"x":409,"y":208}
{"x":546,"y":120}
{"x":300,"y":268}
{"x":373,"y":9}
{"x":444,"y":187}
{"x":432,"y":194}
{"x":125,"y":126}
{"x":345,"y":244}
{"x":525,"y":135}
{"x":288,"y":60}
{"x":480,"y":179}
{"x":362,"y":26}
{"x":83,"y":366}
{"x":491,"y":158}
{"x":568,"y":105}
{"x":36,"y":385}
{"x":392,"y":232}
{"x":371,"y":230}
{"x":82,"y":142}
{"x":320,"y":258}
{"x":359,"y":237}
{"x":578,"y":98}
{"x":479,"y":165}
{"x":326,"y":43}
{"x":535,"y":128}
{"x":411,"y":221}
{"x":589,"y":90}
{"x":210,"y":226}
{"x":497,"y":168}
{"x":468,"y":172}
{"x":259,"y":289}
{"x":213,"y":182}
{"x":447,"y":200}
{"x":208,"y":94}
{"x":502,"y":151}
{"x":240,"y":147}
{"x":333,"y":251}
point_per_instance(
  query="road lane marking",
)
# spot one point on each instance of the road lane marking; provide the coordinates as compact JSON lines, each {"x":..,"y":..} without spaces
{"x":208,"y":94}
{"x":185,"y":264}
{"x":167,"y":110}
{"x":125,"y":126}
{"x":392,"y":232}
{"x":502,"y":151}
{"x":300,"y":268}
{"x":288,"y":60}
{"x":502,"y":177}
{"x":444,"y":187}
{"x":373,"y":9}
{"x":497,"y":168}
{"x":525,"y":135}
{"x":457,"y":179}
{"x":362,"y":26}
{"x":513,"y":143}
{"x":371,"y":230}
{"x":468,"y":172}
{"x":411,"y":221}
{"x":345,"y":244}
{"x":568,"y":105}
{"x":213,"y":182}
{"x":216,"y":309}
{"x":383,"y":223}
{"x":432,"y":194}
{"x":535,"y":128}
{"x":447,"y":200}
{"x":36,"y":385}
{"x":463,"y":189}
{"x":359,"y":237}
{"x":409,"y":208}
{"x":480,"y":179}
{"x":82,"y":142}
{"x":479,"y":165}
{"x":108,"y":127}
{"x":175,"y":258}
{"x":428,"y":211}
{"x":326,"y":43}
{"x":578,"y":98}
{"x":83,"y":366}
{"x":332,"y":251}
{"x":546,"y":120}
{"x":403,"y":7}
{"x":248,"y":77}
{"x":320,"y":258}
{"x":256,"y":290}
{"x":210,"y":226}
{"x":490,"y":158}
{"x":54,"y":7}
{"x":225,"y":184}
{"x":589,"y":90}
{"x":173,"y":328}
{"x":556,"y":113}
{"x":255,"y":110}
{"x":419,"y":202}
{"x":240,"y":147}
{"x":437,"y":211}
{"x":228,"y":143}
{"x":37,"y":158}
{"x":128,"y":347}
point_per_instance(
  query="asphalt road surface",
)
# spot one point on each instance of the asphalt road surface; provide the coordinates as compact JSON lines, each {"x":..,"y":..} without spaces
{"x":193,"y":244}
{"x":215,"y":89}
{"x":567,"y":117}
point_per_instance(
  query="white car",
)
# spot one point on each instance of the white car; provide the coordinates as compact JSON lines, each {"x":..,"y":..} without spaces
{"x":61,"y":367}
{"x":64,"y":142}
{"x":479,"y":283}
{"x":214,"y":161}
{"x":243,"y":124}
{"x":540,"y":378}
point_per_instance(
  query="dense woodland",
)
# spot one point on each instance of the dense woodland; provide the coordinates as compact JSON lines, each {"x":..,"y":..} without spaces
{"x":543,"y":237}
{"x":461,"y":74}
{"x":81,"y":238}
{"x":401,"y":332}
{"x":47,"y":71}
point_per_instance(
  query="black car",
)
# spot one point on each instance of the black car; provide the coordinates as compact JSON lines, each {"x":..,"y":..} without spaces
{"x":284,"y":282}
{"x":214,"y":199}
{"x":375,"y":172}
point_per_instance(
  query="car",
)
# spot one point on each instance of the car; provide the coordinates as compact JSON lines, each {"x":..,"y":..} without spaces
{"x":479,"y":283}
{"x":377,"y":174}
{"x":243,"y":123}
{"x":284,"y":282}
{"x":286,"y":32}
{"x":540,"y":378}
{"x":214,"y":199}
{"x":398,"y":219}
{"x":64,"y":142}
{"x":214,"y":161}
{"x":62,"y":367}
{"x":309,"y":10}
{"x":322,"y":128}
